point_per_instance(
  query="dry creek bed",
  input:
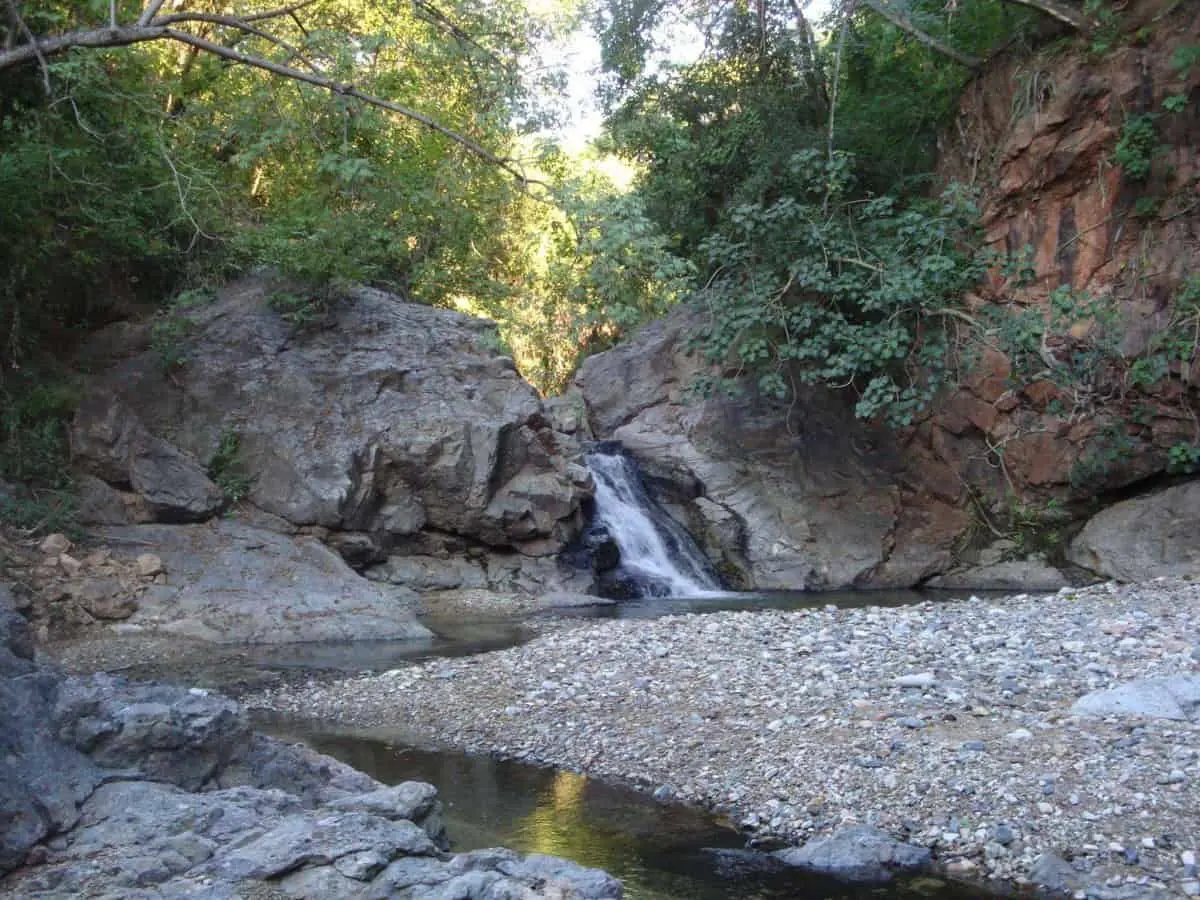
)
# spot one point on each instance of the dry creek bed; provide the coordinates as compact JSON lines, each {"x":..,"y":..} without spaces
{"x":948,"y":725}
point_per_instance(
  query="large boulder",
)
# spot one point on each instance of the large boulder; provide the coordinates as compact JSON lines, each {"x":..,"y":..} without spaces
{"x":1143,"y":538}
{"x":804,"y":494}
{"x":388,"y":419}
{"x":230,"y":582}
{"x":110,"y":442}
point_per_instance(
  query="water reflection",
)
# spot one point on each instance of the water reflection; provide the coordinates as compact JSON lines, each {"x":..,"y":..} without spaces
{"x":659,"y":852}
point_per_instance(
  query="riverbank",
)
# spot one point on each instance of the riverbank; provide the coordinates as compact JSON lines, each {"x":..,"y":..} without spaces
{"x":950,"y":725}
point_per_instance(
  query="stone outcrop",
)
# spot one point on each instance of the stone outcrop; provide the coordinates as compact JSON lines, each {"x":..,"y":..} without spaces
{"x":113,"y":789}
{"x":1144,"y":538}
{"x":782,"y":496}
{"x":386,"y":428}
{"x":110,"y":442}
{"x":231,"y":582}
{"x":1038,"y":134}
{"x":861,"y":853}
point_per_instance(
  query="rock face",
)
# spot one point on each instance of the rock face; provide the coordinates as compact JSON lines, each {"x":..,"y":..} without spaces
{"x":388,"y":424}
{"x":112,"y":789}
{"x":1145,"y":537}
{"x":109,"y":441}
{"x":231,"y":582}
{"x":781,"y":497}
{"x":1038,"y":136}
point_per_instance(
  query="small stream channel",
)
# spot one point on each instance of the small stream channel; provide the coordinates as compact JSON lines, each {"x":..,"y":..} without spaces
{"x":658,"y":851}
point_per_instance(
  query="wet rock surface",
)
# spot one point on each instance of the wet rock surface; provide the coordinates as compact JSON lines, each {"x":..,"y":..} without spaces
{"x":949,"y":727}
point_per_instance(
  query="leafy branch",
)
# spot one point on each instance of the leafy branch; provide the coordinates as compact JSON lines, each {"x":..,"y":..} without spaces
{"x":150,"y":26}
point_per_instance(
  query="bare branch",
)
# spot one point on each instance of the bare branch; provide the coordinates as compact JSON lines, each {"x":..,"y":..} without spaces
{"x":905,"y":24}
{"x":16,"y":13}
{"x":150,"y":12}
{"x":231,"y":22}
{"x":1064,"y":14}
{"x":276,"y":13}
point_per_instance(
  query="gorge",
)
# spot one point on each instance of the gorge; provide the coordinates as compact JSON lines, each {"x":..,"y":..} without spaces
{"x":812,"y":513}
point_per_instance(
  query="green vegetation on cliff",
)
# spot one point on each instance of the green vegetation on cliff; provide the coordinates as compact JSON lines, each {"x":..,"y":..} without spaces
{"x":782,"y":174}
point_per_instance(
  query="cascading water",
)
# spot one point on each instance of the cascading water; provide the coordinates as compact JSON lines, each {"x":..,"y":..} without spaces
{"x":657,"y":556}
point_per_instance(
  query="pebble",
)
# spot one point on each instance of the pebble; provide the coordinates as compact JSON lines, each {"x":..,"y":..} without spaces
{"x":804,"y":720}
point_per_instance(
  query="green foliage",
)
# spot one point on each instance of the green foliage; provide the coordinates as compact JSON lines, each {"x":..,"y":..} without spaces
{"x":1037,"y":528}
{"x":301,"y":308}
{"x":145,"y":165}
{"x":171,"y":326}
{"x":822,"y":288}
{"x":1138,"y":146}
{"x":227,"y":469}
{"x":1185,"y":57}
{"x":1183,"y":459}
{"x":35,"y":408}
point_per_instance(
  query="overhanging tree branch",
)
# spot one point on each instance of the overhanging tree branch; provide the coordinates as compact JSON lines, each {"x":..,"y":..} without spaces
{"x":905,"y":24}
{"x":151,"y":27}
{"x":1064,"y":14}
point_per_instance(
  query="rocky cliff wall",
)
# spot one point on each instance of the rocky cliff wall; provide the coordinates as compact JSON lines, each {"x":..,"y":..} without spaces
{"x":1009,"y":465}
{"x":1088,"y":162}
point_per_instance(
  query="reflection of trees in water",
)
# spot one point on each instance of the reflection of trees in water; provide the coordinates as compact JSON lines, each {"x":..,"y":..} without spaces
{"x":656,"y":850}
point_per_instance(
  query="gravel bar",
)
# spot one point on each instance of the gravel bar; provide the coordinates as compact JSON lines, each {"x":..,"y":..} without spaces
{"x":948,"y":724}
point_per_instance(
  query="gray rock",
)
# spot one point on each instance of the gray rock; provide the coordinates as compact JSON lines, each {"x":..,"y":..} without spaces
{"x":42,"y":782}
{"x":144,"y":792}
{"x":916,"y":680}
{"x":312,"y":778}
{"x":319,"y":839}
{"x":1011,"y":575}
{"x":861,"y":853}
{"x":411,"y":800}
{"x":99,"y":503}
{"x":1054,"y":873}
{"x":1143,"y":538}
{"x":571,"y":878}
{"x":16,"y":637}
{"x":228,"y":582}
{"x":104,"y":597}
{"x":1176,"y":697}
{"x":392,"y":421}
{"x":161,"y":732}
{"x":108,"y":440}
{"x":430,"y":573}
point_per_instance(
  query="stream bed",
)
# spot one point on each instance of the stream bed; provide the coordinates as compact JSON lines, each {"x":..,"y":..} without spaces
{"x":660,"y":851}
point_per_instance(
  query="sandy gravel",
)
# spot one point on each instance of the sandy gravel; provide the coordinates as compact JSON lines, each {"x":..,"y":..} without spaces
{"x":949,"y":725}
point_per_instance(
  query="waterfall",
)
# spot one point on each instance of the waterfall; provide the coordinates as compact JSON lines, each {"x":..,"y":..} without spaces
{"x":657,"y":556}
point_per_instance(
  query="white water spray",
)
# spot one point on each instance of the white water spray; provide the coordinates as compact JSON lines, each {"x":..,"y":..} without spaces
{"x":656,"y":551}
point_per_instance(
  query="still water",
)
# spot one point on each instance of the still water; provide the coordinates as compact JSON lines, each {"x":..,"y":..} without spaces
{"x":658,"y":851}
